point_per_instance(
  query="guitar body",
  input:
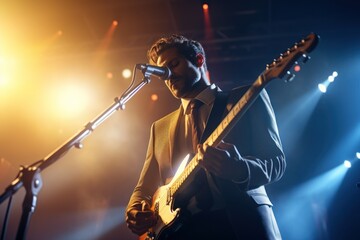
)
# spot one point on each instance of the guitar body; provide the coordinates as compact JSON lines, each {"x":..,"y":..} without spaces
{"x":167,"y":217}
{"x":163,"y":204}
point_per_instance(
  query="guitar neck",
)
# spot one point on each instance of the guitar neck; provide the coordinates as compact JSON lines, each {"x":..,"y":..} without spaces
{"x":222,"y":129}
{"x":236,"y":112}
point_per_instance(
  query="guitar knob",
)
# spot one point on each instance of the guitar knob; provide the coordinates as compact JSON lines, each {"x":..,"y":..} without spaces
{"x":150,"y":235}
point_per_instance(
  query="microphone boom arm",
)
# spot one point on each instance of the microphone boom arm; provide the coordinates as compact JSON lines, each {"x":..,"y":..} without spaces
{"x":29,"y":176}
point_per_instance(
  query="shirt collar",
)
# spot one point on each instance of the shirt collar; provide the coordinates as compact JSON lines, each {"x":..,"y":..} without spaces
{"x":207,"y":96}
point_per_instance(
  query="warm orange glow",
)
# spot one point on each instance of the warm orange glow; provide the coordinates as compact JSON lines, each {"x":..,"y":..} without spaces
{"x":154,"y":97}
{"x":49,"y":90}
{"x":7,"y":71}
{"x":109,"y":75}
{"x":105,"y":42}
{"x":207,"y":22}
{"x":69,"y":97}
{"x":297,"y":68}
{"x":49,"y":41}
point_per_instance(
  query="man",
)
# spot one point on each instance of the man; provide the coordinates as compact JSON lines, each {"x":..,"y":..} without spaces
{"x":227,"y":198}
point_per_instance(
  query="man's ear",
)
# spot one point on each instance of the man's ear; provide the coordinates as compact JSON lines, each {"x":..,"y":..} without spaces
{"x":199,"y":60}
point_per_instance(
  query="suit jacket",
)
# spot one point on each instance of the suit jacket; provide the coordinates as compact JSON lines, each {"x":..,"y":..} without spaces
{"x":257,"y":139}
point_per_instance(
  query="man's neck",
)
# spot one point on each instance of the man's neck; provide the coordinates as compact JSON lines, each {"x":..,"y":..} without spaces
{"x":197,"y":88}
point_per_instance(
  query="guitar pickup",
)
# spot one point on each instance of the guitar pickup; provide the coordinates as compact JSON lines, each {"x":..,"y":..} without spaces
{"x":168,"y":196}
{"x":156,"y":208}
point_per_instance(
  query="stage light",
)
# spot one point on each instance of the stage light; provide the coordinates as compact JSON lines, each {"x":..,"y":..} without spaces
{"x":209,"y":33}
{"x":358,"y":155}
{"x":322,"y":87}
{"x":115,"y":23}
{"x":59,"y":33}
{"x":347,"y":164}
{"x":69,"y":96}
{"x":315,"y":193}
{"x":297,"y":68}
{"x":154,"y":97}
{"x":126,"y":73}
{"x":109,"y":75}
{"x":7,"y":67}
{"x":2,"y":81}
{"x":98,"y":222}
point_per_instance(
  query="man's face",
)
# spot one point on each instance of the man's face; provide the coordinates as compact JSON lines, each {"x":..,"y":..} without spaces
{"x":184,"y":74}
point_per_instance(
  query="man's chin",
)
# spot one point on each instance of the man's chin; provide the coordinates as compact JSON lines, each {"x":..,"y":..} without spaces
{"x":177,"y":94}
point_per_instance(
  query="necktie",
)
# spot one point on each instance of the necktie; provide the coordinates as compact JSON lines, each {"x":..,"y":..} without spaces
{"x":195,"y":123}
{"x":203,"y":195}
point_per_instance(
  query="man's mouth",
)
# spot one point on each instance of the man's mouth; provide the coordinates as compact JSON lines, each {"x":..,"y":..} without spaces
{"x":174,"y":79}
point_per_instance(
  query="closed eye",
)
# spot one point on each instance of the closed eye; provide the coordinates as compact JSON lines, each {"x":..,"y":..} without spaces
{"x":174,"y":63}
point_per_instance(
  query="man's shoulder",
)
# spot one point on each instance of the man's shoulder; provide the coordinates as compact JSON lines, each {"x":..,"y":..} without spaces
{"x":235,"y":93}
{"x":241,"y":90}
{"x":168,"y":118}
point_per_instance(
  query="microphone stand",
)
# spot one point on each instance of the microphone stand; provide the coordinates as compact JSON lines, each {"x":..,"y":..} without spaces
{"x":29,"y":177}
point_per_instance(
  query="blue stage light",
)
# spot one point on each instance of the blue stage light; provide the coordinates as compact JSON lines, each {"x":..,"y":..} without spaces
{"x":322,"y":87}
{"x":347,"y":164}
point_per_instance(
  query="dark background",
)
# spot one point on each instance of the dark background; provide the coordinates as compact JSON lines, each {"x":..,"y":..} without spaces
{"x":56,"y":84}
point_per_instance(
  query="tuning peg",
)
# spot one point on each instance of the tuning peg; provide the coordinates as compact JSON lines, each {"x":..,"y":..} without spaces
{"x":301,"y":43}
{"x":270,"y":65}
{"x":294,"y":47}
{"x":289,"y":76}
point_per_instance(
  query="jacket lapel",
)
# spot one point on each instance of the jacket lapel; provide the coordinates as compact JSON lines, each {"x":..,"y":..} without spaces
{"x":216,"y":115}
{"x":174,"y":123}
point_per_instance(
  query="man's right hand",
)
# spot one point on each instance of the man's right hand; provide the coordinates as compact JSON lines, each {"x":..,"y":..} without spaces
{"x":140,"y":218}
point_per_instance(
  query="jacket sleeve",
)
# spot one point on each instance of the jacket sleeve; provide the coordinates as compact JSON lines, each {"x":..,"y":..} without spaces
{"x":149,"y":179}
{"x":257,"y":139}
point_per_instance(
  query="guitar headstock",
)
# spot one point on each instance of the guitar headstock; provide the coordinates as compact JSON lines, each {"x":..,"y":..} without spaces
{"x":280,"y":66}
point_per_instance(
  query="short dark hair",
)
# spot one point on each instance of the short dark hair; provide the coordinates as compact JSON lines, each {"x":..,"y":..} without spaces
{"x":187,"y":47}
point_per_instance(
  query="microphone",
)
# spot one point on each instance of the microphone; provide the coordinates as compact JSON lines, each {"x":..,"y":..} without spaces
{"x":161,"y":72}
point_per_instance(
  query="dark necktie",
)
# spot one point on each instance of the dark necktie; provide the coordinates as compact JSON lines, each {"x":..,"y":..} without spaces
{"x":203,"y":195}
{"x":195,"y":122}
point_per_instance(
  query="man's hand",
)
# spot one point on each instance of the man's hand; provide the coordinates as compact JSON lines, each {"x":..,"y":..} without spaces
{"x":224,"y":161}
{"x":140,"y":218}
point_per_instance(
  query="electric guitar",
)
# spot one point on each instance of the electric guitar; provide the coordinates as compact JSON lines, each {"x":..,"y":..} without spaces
{"x":163,"y":199}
